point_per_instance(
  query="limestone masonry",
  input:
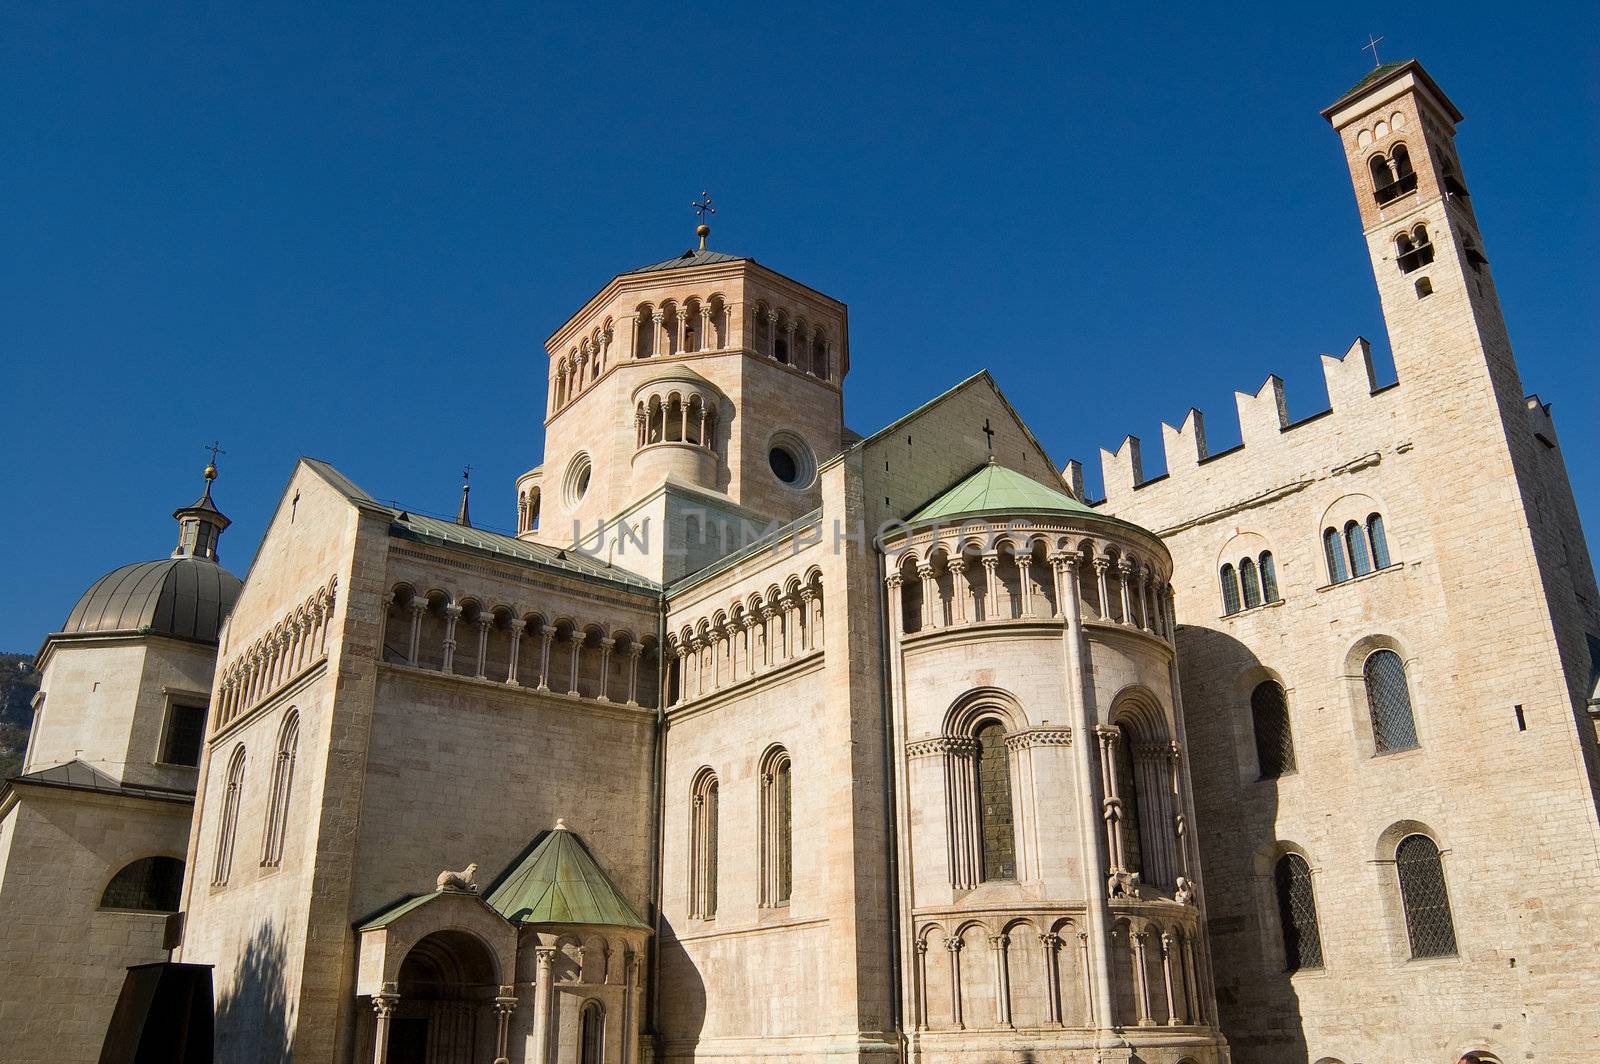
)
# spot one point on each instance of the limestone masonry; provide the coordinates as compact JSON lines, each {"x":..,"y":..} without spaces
{"x":763,"y":740}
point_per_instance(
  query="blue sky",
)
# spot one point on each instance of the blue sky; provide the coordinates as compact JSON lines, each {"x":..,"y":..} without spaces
{"x":345,"y":230}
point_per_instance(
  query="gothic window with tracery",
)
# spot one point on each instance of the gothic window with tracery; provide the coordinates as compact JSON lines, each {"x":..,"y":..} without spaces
{"x":1429,"y":925}
{"x":222,"y":861}
{"x":1269,"y":715}
{"x":1394,"y":727}
{"x":997,"y":835}
{"x":1297,"y":913}
{"x":703,"y":846}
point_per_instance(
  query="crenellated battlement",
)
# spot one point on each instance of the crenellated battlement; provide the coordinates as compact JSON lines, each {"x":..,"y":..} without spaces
{"x":1265,"y":429}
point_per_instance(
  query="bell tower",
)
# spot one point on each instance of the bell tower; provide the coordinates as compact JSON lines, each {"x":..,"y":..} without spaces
{"x":691,"y":403}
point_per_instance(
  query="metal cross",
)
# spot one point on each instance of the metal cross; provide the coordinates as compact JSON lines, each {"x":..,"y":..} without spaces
{"x":989,"y":433}
{"x":466,"y":473}
{"x":215,"y":448}
{"x":1372,"y":46}
{"x":702,"y":206}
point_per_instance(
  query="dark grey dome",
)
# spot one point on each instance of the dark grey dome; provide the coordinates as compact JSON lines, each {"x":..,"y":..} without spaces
{"x":185,"y":597}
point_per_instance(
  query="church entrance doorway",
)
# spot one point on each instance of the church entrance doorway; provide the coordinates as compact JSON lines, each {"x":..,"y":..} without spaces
{"x":445,"y":1014}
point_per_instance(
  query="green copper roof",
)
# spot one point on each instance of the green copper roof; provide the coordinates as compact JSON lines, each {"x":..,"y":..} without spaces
{"x":994,"y":489}
{"x":559,"y":883}
{"x":385,"y":917}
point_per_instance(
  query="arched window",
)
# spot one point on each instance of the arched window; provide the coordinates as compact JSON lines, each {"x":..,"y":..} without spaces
{"x":1429,"y":926}
{"x":222,"y":862}
{"x":592,"y":1034}
{"x":1382,"y":176}
{"x":997,"y":836}
{"x":703,"y":847}
{"x":1251,"y":582}
{"x":777,"y":850}
{"x":1389,"y":702}
{"x":644,"y":331}
{"x":1401,"y":157}
{"x":278,"y":797}
{"x":1413,"y":250}
{"x":763,"y":330}
{"x":1297,"y":913}
{"x":1355,"y":540}
{"x":780,"y":338}
{"x":1230,"y":590}
{"x":1128,"y":794}
{"x":1333,"y":551}
{"x":819,"y":356}
{"x":150,"y":884}
{"x":1378,"y":542}
{"x":1269,"y":715}
{"x":1269,"y":577}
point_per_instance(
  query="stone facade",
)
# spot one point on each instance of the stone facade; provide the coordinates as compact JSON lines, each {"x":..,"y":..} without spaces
{"x":897,"y":748}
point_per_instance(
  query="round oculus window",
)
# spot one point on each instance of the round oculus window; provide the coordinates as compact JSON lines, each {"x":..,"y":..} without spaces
{"x":577,"y":479}
{"x":784,"y":466}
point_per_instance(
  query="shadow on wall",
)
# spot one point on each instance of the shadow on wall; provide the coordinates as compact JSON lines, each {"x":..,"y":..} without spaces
{"x":253,"y":1016}
{"x":1259,"y":1010}
{"x":681,"y":1015}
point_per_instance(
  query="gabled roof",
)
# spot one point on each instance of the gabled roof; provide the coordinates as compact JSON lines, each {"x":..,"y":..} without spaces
{"x":692,"y":257}
{"x":1387,"y":72}
{"x":558,"y":882}
{"x":994,"y":489}
{"x":385,"y":917}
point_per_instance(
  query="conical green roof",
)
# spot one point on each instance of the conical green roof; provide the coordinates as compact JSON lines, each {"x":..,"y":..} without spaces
{"x":994,"y":489}
{"x":559,"y":883}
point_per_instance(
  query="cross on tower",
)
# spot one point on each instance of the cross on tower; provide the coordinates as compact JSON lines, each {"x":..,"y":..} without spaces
{"x":466,"y":473}
{"x":1372,"y":46}
{"x":215,"y":448}
{"x":989,"y":434}
{"x":702,"y":206}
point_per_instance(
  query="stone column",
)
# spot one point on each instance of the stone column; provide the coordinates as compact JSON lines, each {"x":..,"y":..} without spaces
{"x":504,"y":1006}
{"x":1111,"y":806}
{"x":953,"y":945}
{"x":383,"y":1006}
{"x":418,"y":608}
{"x":809,"y":640}
{"x":772,"y":334}
{"x":606,"y":643}
{"x":706,"y":335}
{"x":1096,"y":958}
{"x":543,"y":994}
{"x":1051,"y":942}
{"x":1195,"y":999}
{"x":1146,"y":578}
{"x":1024,"y":585}
{"x":1173,"y":1019}
{"x":1002,"y":979}
{"x":452,"y":614}
{"x":635,"y":652}
{"x":546,"y":635}
{"x":931,"y":606}
{"x":516,"y":627}
{"x":1102,"y":564}
{"x":991,"y":582}
{"x":1124,"y":579}
{"x":658,"y":337}
{"x":752,"y":654}
{"x":484,"y":624}
{"x":896,"y":613}
{"x":958,"y":590}
{"x":920,"y":1020}
{"x":1141,"y":977}
{"x":577,"y":646}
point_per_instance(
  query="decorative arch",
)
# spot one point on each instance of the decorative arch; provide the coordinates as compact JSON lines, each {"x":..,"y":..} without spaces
{"x":964,"y":713}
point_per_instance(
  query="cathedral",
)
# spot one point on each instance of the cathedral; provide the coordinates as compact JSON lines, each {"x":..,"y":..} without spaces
{"x":765,"y":740}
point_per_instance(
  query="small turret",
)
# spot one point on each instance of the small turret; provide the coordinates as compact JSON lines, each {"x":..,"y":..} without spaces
{"x":200,"y":523}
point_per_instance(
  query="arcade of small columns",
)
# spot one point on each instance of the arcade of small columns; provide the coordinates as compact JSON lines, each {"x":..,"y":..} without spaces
{"x":292,"y":645}
{"x":675,"y":412}
{"x":701,"y":325}
{"x":746,"y":640}
{"x":424,"y":631}
{"x":929,"y":590}
{"x":1030,"y":973}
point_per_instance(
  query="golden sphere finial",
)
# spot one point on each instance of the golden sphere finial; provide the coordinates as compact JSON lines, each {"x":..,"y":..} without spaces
{"x":702,"y":231}
{"x":210,"y":471}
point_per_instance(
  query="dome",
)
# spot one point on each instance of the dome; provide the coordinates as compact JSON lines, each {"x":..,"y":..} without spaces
{"x":186,"y":597}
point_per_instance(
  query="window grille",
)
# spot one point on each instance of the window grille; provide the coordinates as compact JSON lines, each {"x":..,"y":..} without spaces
{"x":1230,"y":591}
{"x":1252,"y":583}
{"x":1380,"y":544}
{"x":1356,"y":540}
{"x":1333,"y":550}
{"x":150,"y":884}
{"x":998,"y":839}
{"x":1389,"y":701}
{"x":1429,"y":925}
{"x":1269,"y":577}
{"x":1297,"y":913}
{"x":1269,"y":713}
